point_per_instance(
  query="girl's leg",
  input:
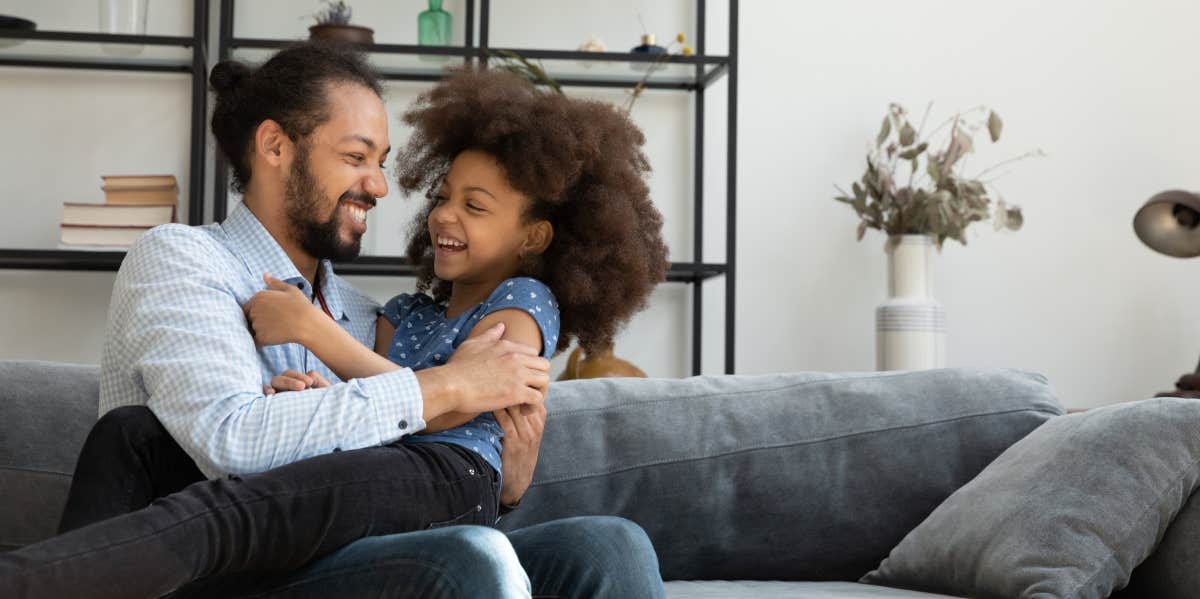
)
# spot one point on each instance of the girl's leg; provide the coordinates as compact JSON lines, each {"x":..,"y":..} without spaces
{"x":274,"y":521}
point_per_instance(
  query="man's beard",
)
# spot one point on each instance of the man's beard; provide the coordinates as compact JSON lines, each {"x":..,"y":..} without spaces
{"x":303,"y":199}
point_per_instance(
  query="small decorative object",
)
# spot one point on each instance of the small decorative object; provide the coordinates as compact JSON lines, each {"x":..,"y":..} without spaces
{"x":648,"y":46}
{"x":124,"y":17}
{"x":8,"y":23}
{"x":433,"y":25}
{"x":598,"y":365}
{"x":919,"y":208}
{"x":1169,"y":224}
{"x":593,"y":44}
{"x":333,"y":25}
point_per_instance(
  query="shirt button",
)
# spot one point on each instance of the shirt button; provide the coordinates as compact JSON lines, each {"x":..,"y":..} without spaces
{"x":471,"y":471}
{"x":403,"y":424}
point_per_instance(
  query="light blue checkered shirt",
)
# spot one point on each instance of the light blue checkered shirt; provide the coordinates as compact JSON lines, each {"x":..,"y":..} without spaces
{"x":177,"y":341}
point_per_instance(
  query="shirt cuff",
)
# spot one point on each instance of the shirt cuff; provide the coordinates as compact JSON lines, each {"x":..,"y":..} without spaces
{"x":398,"y":403}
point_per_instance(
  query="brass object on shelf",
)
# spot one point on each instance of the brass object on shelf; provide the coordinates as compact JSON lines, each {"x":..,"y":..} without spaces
{"x":596,"y":365}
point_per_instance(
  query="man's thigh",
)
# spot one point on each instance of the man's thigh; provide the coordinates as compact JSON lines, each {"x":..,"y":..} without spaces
{"x":458,"y":561}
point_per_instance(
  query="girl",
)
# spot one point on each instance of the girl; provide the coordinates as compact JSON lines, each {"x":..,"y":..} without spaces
{"x":538,"y":217}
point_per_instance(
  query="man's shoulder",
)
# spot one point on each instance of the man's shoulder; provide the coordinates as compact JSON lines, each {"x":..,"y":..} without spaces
{"x":177,"y":244}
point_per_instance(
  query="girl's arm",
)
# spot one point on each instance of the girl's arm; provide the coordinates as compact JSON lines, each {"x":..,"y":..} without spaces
{"x":519,"y":326}
{"x":283,"y":314}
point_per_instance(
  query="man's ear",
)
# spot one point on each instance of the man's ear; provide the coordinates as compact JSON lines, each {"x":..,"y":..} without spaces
{"x":537,"y":238}
{"x":272,"y":143}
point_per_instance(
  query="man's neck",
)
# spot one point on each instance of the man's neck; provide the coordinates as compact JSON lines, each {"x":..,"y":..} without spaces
{"x":274,"y":220}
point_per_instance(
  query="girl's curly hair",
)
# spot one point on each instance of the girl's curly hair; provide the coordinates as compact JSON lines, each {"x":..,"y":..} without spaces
{"x":581,"y":164}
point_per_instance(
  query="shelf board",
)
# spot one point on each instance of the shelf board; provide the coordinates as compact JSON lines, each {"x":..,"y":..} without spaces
{"x":401,"y":62}
{"x":384,"y":266}
{"x":80,"y":50}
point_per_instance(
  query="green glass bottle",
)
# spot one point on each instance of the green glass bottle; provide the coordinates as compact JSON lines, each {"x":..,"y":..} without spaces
{"x":433,"y":25}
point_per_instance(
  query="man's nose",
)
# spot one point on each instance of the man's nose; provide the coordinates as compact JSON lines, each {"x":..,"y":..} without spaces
{"x":376,"y":185}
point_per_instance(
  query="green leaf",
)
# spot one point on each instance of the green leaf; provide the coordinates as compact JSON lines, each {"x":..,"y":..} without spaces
{"x":995,"y":126}
{"x":862,"y":230}
{"x":934,"y":170}
{"x":912,"y":153}
{"x":859,"y":193}
{"x":884,"y":131}
{"x":907,"y":134}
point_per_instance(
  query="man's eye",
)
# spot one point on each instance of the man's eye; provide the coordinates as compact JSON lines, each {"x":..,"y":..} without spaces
{"x":357,"y":157}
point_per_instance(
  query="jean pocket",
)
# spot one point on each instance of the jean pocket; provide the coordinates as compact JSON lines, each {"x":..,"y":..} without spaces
{"x":467,"y":517}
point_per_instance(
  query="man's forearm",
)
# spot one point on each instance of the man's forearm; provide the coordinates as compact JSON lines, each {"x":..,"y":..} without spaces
{"x":439,"y":392}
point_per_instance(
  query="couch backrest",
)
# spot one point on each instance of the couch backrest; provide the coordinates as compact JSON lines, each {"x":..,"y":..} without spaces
{"x":46,"y":411}
{"x":801,"y":476}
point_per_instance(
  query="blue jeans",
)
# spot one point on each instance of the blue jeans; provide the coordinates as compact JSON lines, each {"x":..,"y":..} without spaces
{"x":587,"y":556}
{"x":129,"y":460}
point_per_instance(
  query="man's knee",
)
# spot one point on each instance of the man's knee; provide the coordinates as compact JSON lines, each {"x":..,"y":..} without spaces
{"x":623,"y":536}
{"x":127,"y":422}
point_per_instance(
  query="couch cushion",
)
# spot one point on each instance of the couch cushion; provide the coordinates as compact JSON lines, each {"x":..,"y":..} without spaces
{"x":1173,"y":570}
{"x":802,"y":476}
{"x":774,"y":589}
{"x":1066,"y":512}
{"x":46,"y":411}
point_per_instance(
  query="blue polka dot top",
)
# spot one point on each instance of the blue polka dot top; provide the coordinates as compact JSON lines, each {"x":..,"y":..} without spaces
{"x":425,"y":337}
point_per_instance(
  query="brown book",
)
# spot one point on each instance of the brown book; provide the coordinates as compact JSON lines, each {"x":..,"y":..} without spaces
{"x":139,"y":215}
{"x":96,"y":235}
{"x":141,"y":197}
{"x":113,"y":182}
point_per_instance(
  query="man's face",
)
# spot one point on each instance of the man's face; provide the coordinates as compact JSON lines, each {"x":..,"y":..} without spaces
{"x":337,"y":174}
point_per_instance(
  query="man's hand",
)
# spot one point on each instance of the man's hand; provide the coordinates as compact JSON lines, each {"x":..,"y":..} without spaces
{"x":523,"y":426}
{"x":488,"y":373}
{"x":279,"y":314}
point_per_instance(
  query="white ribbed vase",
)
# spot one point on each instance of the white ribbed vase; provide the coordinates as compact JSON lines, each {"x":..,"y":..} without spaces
{"x":910,"y":327}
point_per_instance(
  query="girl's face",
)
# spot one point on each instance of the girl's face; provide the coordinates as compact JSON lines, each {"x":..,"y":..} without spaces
{"x":476,"y":223}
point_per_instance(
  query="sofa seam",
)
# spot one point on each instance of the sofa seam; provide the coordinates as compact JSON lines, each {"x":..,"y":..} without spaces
{"x":735,"y":393}
{"x":784,"y":445}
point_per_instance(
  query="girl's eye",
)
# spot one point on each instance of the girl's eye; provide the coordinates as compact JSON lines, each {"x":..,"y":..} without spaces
{"x":474,"y":207}
{"x":439,"y":200}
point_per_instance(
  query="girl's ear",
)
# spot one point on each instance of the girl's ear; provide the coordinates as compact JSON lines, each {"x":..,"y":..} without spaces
{"x":537,"y":238}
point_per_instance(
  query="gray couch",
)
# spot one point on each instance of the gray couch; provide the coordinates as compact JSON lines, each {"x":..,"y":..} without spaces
{"x":790,"y":485}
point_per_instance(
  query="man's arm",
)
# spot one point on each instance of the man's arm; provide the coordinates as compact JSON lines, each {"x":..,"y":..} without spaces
{"x":197,"y":361}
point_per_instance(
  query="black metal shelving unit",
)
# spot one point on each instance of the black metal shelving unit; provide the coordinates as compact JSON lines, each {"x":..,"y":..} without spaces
{"x":196,"y":65}
{"x":707,"y":70}
{"x":702,"y":70}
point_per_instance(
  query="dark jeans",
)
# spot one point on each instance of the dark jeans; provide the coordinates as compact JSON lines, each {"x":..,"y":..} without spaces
{"x":271,"y":522}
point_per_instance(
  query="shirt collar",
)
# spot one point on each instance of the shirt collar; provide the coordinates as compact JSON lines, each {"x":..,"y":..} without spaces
{"x":261,"y":253}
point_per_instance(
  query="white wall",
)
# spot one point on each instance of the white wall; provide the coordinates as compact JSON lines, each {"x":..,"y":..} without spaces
{"x":1105,"y":88}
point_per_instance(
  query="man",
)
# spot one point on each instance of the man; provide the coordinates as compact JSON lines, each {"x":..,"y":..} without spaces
{"x":295,"y":476}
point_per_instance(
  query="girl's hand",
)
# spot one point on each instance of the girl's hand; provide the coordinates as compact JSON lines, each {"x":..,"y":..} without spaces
{"x":523,"y":426}
{"x":279,"y":314}
{"x":292,"y":380}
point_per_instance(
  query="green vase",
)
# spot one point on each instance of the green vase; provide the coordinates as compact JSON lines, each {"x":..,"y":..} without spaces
{"x":433,"y":25}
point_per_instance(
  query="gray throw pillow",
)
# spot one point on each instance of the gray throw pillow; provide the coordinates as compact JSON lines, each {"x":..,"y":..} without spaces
{"x":1066,"y":512}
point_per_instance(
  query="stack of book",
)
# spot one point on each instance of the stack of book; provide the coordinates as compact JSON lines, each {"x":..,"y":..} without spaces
{"x":132,"y":205}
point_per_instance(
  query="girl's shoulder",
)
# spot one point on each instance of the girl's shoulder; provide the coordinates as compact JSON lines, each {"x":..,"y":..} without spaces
{"x":523,"y":291}
{"x":405,"y":305}
{"x":532,"y":296}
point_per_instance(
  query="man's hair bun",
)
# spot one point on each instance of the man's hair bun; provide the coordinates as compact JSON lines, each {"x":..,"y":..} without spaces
{"x":228,"y":75}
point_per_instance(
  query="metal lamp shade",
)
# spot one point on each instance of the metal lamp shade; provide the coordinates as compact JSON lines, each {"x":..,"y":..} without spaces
{"x":1169,"y":223}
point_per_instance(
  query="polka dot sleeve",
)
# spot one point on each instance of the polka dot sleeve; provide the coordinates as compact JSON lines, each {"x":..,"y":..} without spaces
{"x":398,"y":308}
{"x":532,"y":296}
